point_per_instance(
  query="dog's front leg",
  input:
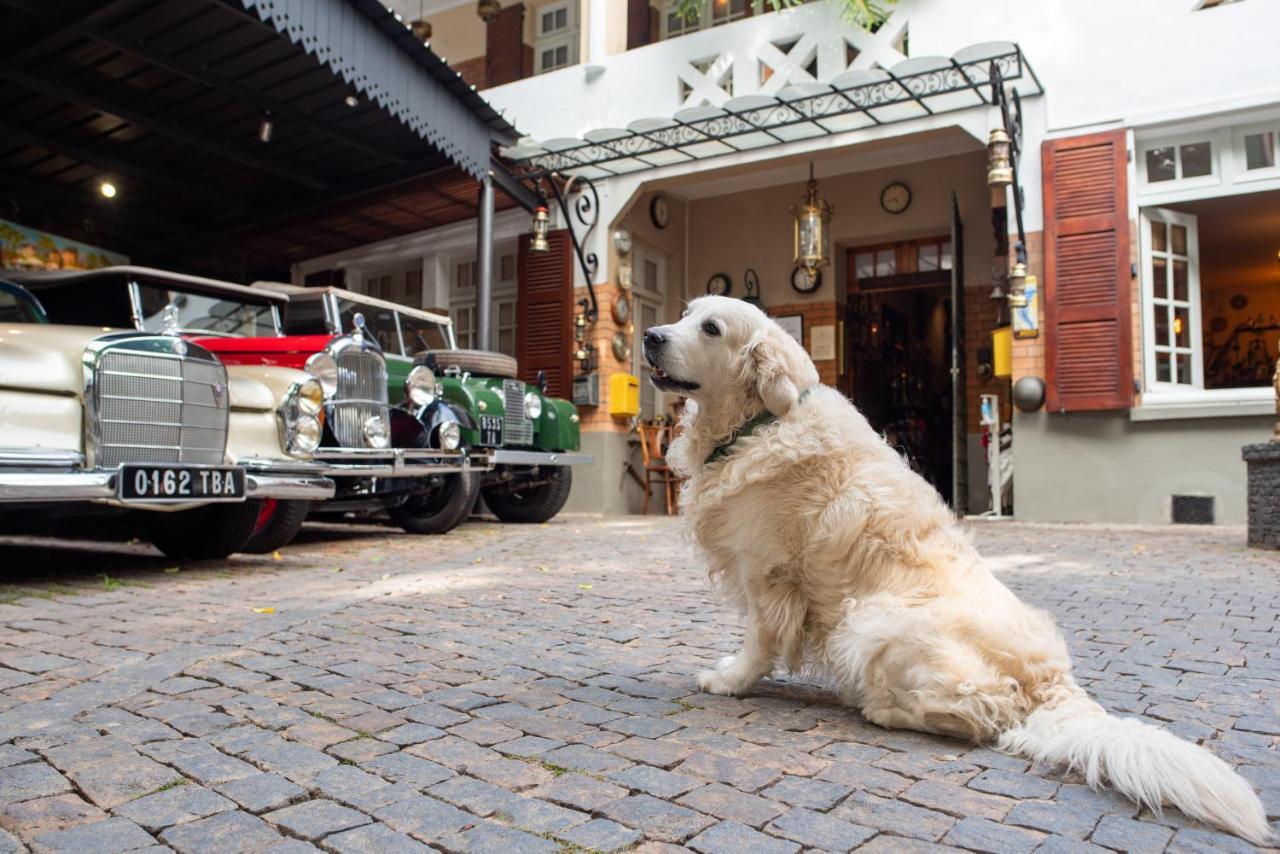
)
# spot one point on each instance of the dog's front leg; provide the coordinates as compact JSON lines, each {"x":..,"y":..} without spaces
{"x":735,"y":674}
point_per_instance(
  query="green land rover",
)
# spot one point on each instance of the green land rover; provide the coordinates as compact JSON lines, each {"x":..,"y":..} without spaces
{"x":523,"y":442}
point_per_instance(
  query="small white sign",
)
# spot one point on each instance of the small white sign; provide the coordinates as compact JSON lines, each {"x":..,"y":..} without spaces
{"x":793,"y":325}
{"x":822,"y":341}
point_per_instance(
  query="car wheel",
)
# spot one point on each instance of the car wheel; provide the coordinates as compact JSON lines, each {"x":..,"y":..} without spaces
{"x":206,"y":533}
{"x":440,"y":509}
{"x":277,"y":524}
{"x":538,"y":503}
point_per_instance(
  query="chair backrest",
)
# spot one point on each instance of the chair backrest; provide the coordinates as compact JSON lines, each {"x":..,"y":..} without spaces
{"x":652,"y":438}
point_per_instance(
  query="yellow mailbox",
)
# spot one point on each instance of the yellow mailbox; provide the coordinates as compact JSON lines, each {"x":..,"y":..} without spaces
{"x":624,"y":395}
{"x":1002,"y":351}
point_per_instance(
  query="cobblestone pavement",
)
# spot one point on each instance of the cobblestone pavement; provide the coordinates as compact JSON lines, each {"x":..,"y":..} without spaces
{"x":531,"y":689}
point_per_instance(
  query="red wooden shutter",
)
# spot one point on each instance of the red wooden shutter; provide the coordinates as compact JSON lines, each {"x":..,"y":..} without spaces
{"x":1087,"y":291}
{"x":544,"y":305}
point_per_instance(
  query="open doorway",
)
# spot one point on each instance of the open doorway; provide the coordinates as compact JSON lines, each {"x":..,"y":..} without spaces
{"x":899,"y":327}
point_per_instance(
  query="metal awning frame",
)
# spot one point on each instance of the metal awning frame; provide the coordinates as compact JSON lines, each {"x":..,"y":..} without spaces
{"x":925,"y":86}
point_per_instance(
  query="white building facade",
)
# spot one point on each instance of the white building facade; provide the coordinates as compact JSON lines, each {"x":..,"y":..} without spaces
{"x":1151,"y":213}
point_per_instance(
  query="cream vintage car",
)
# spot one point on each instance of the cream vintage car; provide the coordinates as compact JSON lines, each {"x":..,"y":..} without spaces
{"x":150,"y":429}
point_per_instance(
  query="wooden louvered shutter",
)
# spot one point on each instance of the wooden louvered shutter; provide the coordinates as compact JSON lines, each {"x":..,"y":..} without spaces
{"x":544,"y":305}
{"x":1087,"y":292}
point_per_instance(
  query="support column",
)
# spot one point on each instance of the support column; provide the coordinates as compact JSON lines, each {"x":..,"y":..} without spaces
{"x":484,"y":264}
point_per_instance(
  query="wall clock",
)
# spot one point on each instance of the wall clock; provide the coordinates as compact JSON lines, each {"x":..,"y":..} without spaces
{"x":659,"y":212}
{"x":895,"y":198}
{"x":806,"y":280}
{"x":622,"y":241}
{"x":621,"y":309}
{"x":621,"y":344}
{"x":719,"y":285}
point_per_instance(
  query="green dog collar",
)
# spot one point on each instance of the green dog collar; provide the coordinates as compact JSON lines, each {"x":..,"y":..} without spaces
{"x":748,"y":429}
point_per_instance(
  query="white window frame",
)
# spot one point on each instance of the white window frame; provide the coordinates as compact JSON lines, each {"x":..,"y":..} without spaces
{"x":1241,"y":171}
{"x":1219,"y":143}
{"x":462,"y":300}
{"x":567,"y":36}
{"x":704,"y":21}
{"x":657,"y":299}
{"x":1150,"y":302}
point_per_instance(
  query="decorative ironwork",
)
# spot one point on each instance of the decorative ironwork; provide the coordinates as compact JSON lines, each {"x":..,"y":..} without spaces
{"x":1010,"y":104}
{"x":914,"y":88}
{"x":586,"y":209}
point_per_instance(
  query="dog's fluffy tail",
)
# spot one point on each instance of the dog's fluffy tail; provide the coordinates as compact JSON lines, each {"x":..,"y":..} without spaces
{"x":1146,"y":763}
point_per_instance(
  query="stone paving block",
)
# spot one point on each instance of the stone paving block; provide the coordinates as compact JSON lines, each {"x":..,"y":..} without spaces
{"x":317,"y":733}
{"x":582,"y":758}
{"x":199,"y":761}
{"x":203,"y":723}
{"x":101,"y":837}
{"x":298,"y":762}
{"x":1124,"y":834}
{"x":936,"y":766}
{"x":40,"y":663}
{"x":485,"y":732}
{"x":409,"y":734}
{"x":347,"y":784}
{"x":1066,"y":845}
{"x":477,"y":796}
{"x":1191,"y":840}
{"x":584,"y":713}
{"x":887,"y":844}
{"x":226,"y":833}
{"x":957,"y":800}
{"x":886,"y":814}
{"x":29,"y":781}
{"x":511,"y":773}
{"x":644,"y":727}
{"x":656,"y":818}
{"x":316,"y":819}
{"x":727,"y":803}
{"x":457,"y":699}
{"x":727,"y":769}
{"x":867,"y":778}
{"x":600,"y":834}
{"x":12,"y":755}
{"x":373,"y":839}
{"x":1065,"y":819}
{"x":433,"y":714}
{"x":403,"y":768}
{"x":10,"y":844}
{"x":173,"y":806}
{"x":980,"y":834}
{"x":44,"y":815}
{"x":729,"y":837}
{"x":815,"y":830}
{"x":453,"y":752}
{"x":662,"y":754}
{"x":425,"y":818}
{"x":361,"y":750}
{"x":1022,"y":786}
{"x":578,"y":792}
{"x":818,"y":795}
{"x":487,"y":837}
{"x":656,"y":782}
{"x":539,"y":816}
{"x":262,"y":792}
{"x":528,"y":746}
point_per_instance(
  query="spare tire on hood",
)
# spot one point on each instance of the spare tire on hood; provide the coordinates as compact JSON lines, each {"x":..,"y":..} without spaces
{"x":479,"y":362}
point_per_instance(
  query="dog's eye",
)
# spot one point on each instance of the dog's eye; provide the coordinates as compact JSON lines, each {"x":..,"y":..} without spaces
{"x":710,"y":328}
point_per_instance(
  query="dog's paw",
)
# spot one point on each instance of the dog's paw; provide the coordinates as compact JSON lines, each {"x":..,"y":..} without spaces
{"x":719,"y":682}
{"x":726,"y":662}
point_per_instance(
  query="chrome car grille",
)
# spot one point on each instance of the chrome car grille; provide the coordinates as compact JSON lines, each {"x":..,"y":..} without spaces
{"x":361,"y":394}
{"x":151,"y":406}
{"x":516,"y":428}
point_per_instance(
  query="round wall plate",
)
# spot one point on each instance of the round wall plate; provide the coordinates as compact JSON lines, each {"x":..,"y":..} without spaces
{"x":621,"y":309}
{"x":621,"y":344}
{"x":719,"y":285}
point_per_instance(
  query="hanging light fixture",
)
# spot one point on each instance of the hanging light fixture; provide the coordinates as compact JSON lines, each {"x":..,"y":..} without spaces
{"x":488,"y":10}
{"x":420,"y":26}
{"x":107,"y":189}
{"x":541,"y":224}
{"x":999,"y":166}
{"x":1017,"y":285}
{"x":265,"y":129}
{"x":813,"y":222}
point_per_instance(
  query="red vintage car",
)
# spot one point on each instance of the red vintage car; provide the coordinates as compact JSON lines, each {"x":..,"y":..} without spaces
{"x":383,"y":457}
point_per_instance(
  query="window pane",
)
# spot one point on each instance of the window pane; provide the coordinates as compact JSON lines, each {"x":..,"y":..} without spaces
{"x":413,"y":286}
{"x":1184,"y":369}
{"x":508,"y":268}
{"x":507,"y":341}
{"x":1162,"y":325}
{"x":1180,"y":280}
{"x":651,"y":274}
{"x":1160,"y":278}
{"x":864,"y":265}
{"x":548,"y":22}
{"x":548,"y":58}
{"x":1159,"y":236}
{"x":506,"y":313}
{"x":562,"y":55}
{"x":1260,"y":151}
{"x":1163,"y":373}
{"x":946,"y":255}
{"x":562,"y":18}
{"x":1160,"y":165}
{"x":1179,"y":234}
{"x":1182,"y":327}
{"x":886,"y":262}
{"x":928,"y":257}
{"x":1197,"y":159}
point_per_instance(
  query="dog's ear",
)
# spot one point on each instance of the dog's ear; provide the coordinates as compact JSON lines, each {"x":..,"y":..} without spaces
{"x":781,"y":369}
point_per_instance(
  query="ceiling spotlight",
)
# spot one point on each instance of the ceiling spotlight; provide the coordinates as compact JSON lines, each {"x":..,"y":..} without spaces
{"x":265,"y":129}
{"x":107,"y":189}
{"x":351,"y":101}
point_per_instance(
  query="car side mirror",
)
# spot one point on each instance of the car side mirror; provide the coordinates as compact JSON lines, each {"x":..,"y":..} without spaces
{"x":542,"y":381}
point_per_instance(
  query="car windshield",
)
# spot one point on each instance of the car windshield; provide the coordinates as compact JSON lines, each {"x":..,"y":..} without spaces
{"x":84,"y":301}
{"x":380,"y":322}
{"x":16,"y":307}
{"x":422,"y":335}
{"x":305,"y":317}
{"x":221,"y":314}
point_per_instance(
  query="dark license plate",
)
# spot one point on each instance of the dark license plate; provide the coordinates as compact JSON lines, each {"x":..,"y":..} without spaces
{"x":490,"y":430}
{"x":181,"y":483}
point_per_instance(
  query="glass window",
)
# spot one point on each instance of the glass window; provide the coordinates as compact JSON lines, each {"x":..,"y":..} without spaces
{"x":1170,"y":307}
{"x":864,"y":265}
{"x":422,"y":335}
{"x":380,"y":322}
{"x":413,"y":287}
{"x":507,"y":327}
{"x":16,"y":308}
{"x":464,"y":326}
{"x":224,"y":315}
{"x":1161,"y":165}
{"x":1197,"y":159}
{"x":507,"y":268}
{"x":929,"y":257}
{"x":84,"y":301}
{"x":1260,"y":151}
{"x":886,"y":262}
{"x":305,"y":317}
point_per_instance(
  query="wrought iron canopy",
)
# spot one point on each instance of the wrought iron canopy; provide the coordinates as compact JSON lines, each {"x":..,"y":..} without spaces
{"x":914,"y":88}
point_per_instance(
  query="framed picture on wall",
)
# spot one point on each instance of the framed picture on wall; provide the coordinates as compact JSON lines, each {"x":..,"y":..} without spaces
{"x":793,"y":325}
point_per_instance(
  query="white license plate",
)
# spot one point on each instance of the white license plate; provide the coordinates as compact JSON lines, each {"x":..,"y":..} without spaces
{"x":490,"y":430}
{"x":158,"y":483}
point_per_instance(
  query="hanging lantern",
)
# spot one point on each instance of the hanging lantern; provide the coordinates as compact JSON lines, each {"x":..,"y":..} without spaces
{"x":1017,"y":286}
{"x":999,"y":167}
{"x":421,"y":29}
{"x":813,"y":222}
{"x":541,"y":223}
{"x":488,"y":10}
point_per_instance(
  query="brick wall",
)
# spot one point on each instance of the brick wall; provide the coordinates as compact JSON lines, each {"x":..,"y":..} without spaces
{"x":504,"y":51}
{"x":1029,"y":353}
{"x":597,"y":418}
{"x":472,"y":71}
{"x":980,"y":313}
{"x":815,"y":314}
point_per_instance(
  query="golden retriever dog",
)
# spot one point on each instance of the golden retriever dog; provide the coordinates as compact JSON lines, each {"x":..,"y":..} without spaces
{"x":845,"y":562}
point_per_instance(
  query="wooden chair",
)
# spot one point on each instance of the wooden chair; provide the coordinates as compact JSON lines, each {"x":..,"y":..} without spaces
{"x":653,"y":450}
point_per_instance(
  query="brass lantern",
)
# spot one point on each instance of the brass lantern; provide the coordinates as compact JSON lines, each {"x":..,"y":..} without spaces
{"x":421,"y":29}
{"x":488,"y":10}
{"x":999,"y":167}
{"x":1018,"y":285}
{"x":812,"y":227}
{"x":541,"y":223}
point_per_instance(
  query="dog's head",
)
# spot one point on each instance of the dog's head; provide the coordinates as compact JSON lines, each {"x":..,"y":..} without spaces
{"x":728,"y":355}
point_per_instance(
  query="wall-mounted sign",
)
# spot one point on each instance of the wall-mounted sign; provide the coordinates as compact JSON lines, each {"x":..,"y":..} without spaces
{"x":822,"y":342}
{"x":793,"y":325}
{"x":1026,"y":319}
{"x":23,"y":248}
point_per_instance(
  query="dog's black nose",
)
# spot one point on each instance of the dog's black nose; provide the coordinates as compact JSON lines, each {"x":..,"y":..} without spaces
{"x":653,"y":338}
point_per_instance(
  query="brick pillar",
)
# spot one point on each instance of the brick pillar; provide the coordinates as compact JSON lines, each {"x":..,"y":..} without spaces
{"x":504,"y":50}
{"x":639,"y":21}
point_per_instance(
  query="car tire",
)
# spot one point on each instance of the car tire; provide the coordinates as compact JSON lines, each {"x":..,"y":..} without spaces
{"x":206,"y":533}
{"x":277,"y":524}
{"x":442,"y":509}
{"x":480,"y":362}
{"x":538,"y":504}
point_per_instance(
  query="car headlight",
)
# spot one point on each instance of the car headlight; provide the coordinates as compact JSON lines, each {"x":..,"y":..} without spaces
{"x":449,"y":435}
{"x":324,"y":367}
{"x":420,"y":386}
{"x":533,"y":405}
{"x":376,"y":432}
{"x":304,"y":435}
{"x":310,"y":397}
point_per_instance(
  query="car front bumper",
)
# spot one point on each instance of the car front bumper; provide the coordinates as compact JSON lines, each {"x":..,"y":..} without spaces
{"x":394,"y":462}
{"x":37,"y":477}
{"x":502,"y":457}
